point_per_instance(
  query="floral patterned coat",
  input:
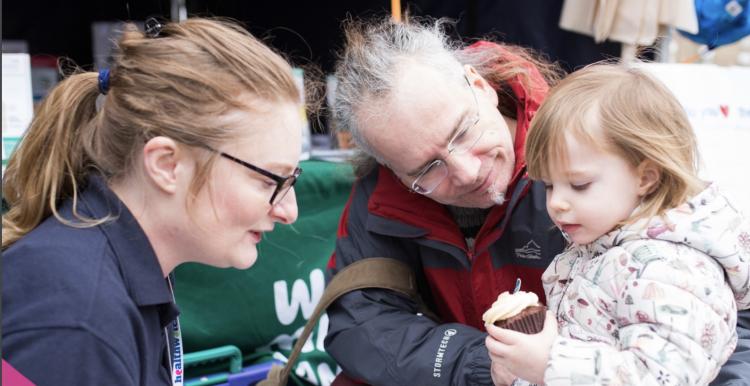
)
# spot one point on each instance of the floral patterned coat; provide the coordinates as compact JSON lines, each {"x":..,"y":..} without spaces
{"x":652,"y":303}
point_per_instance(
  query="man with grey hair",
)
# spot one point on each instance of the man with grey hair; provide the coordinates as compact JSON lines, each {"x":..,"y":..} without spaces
{"x":442,"y":188}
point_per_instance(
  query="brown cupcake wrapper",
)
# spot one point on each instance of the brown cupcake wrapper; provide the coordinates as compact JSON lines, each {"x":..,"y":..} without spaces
{"x":531,"y":323}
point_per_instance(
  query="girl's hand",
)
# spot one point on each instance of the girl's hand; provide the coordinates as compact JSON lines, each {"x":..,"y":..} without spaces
{"x":500,"y":375}
{"x":525,"y":355}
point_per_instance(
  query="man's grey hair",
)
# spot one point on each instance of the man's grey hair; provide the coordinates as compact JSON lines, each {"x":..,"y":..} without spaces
{"x":370,"y":63}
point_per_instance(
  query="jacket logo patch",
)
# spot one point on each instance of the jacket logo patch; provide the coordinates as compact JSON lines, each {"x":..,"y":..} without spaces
{"x":531,"y":251}
{"x":447,"y":334}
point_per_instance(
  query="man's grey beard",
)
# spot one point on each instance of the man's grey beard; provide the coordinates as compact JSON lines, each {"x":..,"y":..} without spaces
{"x":496,"y":195}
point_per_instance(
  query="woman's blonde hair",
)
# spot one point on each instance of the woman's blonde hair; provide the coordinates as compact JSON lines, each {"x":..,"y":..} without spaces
{"x":637,"y":117}
{"x":173,"y":85}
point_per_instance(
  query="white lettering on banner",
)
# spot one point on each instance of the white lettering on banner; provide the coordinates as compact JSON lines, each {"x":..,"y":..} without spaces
{"x":327,"y":375}
{"x":285,"y":342}
{"x":437,"y":368}
{"x":302,"y":298}
{"x":304,"y":370}
{"x":308,"y":346}
{"x":322,"y":332}
{"x":287,"y":308}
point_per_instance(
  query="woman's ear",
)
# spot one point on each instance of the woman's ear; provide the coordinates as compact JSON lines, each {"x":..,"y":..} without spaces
{"x":479,"y":84}
{"x":163,"y":161}
{"x":649,"y":175}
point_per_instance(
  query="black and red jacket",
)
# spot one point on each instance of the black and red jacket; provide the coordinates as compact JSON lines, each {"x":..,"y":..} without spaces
{"x":377,"y":335}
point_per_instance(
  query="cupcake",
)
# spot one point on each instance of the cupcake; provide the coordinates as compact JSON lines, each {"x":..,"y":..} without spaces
{"x":519,"y":311}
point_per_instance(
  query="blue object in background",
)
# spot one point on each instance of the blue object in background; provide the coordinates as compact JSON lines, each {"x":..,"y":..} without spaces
{"x":720,"y":22}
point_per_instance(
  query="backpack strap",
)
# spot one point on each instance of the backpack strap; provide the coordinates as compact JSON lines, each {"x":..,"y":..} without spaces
{"x":373,"y":272}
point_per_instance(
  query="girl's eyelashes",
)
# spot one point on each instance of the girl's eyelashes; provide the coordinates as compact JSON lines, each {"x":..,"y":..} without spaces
{"x":577,"y":187}
{"x":580,"y":187}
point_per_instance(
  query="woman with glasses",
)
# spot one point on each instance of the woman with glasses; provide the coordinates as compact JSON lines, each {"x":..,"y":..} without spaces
{"x":443,"y":188}
{"x":184,"y":150}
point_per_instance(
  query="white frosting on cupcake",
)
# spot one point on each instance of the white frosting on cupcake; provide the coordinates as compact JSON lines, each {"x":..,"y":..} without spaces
{"x":508,"y":305}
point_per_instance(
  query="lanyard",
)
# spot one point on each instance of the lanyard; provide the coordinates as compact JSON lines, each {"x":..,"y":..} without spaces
{"x":175,"y":353}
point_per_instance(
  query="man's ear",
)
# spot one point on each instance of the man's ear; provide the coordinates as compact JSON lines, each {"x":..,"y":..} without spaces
{"x":163,"y":160}
{"x":649,"y":175}
{"x":479,"y":84}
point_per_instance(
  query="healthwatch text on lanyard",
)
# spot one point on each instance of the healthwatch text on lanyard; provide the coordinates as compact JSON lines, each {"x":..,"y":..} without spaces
{"x":175,"y":352}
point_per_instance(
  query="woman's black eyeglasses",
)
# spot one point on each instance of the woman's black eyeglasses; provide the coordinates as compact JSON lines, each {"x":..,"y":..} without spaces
{"x":283,"y":184}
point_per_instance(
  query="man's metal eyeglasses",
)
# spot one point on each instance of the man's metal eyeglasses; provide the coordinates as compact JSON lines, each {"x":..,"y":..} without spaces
{"x":283,"y":184}
{"x":433,"y":174}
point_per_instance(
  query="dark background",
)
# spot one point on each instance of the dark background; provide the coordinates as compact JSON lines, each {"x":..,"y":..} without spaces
{"x":305,"y":31}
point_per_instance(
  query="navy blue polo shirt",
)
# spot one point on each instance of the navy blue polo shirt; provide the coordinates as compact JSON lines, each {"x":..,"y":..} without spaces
{"x":86,"y":306}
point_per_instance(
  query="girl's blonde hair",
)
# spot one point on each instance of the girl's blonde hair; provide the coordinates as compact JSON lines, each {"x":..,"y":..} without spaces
{"x":638,"y":119}
{"x":173,"y":85}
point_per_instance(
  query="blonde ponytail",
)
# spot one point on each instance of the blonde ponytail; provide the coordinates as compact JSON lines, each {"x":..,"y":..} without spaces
{"x":49,"y":162}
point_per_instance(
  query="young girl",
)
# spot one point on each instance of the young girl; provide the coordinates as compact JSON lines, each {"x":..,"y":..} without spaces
{"x":185,"y":150}
{"x":659,"y":262}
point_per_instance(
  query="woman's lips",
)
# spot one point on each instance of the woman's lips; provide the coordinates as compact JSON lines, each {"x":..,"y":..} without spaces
{"x":256,"y":236}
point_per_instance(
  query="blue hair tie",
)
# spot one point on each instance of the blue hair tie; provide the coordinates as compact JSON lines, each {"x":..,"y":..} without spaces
{"x":104,"y":81}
